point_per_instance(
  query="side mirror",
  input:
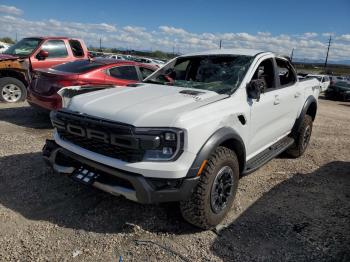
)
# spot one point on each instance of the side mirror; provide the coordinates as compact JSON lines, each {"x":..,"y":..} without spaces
{"x":42,"y":55}
{"x":255,"y":88}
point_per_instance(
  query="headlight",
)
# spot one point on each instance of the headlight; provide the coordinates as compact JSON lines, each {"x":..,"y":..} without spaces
{"x":160,"y":144}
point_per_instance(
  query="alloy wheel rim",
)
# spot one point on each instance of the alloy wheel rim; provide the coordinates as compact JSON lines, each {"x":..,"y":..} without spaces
{"x":222,"y":189}
{"x":306,"y":137}
{"x":11,"y":93}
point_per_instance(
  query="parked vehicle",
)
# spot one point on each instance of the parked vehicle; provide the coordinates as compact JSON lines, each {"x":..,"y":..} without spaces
{"x":339,"y":90}
{"x":323,"y":79}
{"x":188,"y":132}
{"x":3,"y":47}
{"x":120,"y":57}
{"x":33,"y":53}
{"x":145,"y":60}
{"x":42,"y":92}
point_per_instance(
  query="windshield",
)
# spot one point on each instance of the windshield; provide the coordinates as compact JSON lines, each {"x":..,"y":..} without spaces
{"x":343,"y":84}
{"x":219,"y":73}
{"x":24,"y":47}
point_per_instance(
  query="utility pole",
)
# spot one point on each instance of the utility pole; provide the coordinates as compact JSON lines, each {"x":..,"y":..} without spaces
{"x":220,"y":43}
{"x":16,"y":37}
{"x":329,"y":44}
{"x":100,"y":44}
{"x":291,"y":55}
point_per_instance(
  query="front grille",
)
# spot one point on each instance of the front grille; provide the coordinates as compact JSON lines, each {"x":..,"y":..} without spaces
{"x":125,"y":153}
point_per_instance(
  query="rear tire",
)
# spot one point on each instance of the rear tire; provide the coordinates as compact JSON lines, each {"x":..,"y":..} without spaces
{"x":213,"y":197}
{"x":12,"y":90}
{"x":302,"y":138}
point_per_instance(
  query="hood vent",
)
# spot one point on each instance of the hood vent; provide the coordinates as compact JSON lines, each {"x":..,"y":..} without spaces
{"x":191,"y":92}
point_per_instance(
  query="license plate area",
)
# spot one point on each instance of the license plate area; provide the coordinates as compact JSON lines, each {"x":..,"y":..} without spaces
{"x":85,"y":175}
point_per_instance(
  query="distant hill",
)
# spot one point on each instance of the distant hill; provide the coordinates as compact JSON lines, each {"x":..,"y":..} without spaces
{"x":320,"y":61}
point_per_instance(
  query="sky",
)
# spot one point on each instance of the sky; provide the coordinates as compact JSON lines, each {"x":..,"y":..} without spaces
{"x":187,"y":26}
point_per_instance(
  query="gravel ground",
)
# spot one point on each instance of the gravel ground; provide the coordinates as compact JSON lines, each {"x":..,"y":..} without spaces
{"x":290,"y":209}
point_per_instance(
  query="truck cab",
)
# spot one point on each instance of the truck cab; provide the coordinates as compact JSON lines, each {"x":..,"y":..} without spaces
{"x":18,"y":61}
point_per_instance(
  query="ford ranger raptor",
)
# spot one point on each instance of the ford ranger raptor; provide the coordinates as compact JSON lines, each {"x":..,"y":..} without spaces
{"x":188,"y":132}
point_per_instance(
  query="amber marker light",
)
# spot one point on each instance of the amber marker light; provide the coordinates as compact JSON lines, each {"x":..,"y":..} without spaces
{"x":202,"y":167}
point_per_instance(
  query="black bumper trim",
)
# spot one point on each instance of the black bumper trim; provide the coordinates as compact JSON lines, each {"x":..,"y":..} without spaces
{"x":145,"y":192}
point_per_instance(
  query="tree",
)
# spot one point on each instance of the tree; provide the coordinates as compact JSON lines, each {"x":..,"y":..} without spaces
{"x":7,"y":40}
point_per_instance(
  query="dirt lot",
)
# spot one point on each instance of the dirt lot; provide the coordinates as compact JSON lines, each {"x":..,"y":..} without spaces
{"x":288,"y":210}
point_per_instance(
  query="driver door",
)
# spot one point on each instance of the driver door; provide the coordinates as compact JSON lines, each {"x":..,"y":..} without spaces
{"x":266,"y":114}
{"x":58,"y":54}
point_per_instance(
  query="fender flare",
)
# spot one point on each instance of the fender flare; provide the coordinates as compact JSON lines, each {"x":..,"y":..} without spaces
{"x":220,"y":137}
{"x":309,"y":101}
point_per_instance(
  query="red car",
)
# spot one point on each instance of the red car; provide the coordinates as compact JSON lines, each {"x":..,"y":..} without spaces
{"x":34,"y":53}
{"x":42,"y":92}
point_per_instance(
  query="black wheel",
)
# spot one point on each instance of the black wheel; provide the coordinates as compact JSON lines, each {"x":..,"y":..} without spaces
{"x":302,"y":138}
{"x":213,"y":196}
{"x":12,"y":90}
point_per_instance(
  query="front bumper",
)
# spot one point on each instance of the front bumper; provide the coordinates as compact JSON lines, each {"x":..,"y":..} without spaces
{"x":119,"y":182}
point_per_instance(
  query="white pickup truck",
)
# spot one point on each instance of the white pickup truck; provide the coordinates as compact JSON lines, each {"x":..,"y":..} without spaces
{"x":188,"y":133}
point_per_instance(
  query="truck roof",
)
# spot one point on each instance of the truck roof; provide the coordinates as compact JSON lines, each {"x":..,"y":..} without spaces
{"x":247,"y":52}
{"x":51,"y":37}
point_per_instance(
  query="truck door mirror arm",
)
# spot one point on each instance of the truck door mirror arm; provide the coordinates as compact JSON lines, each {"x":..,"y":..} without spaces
{"x":255,"y":88}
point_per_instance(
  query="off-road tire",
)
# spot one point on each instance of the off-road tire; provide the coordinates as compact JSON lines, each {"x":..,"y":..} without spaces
{"x":4,"y":81}
{"x":299,"y":146}
{"x":197,"y":210}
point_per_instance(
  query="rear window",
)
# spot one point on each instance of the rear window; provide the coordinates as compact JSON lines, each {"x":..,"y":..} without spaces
{"x":80,"y":66}
{"x":77,"y":49}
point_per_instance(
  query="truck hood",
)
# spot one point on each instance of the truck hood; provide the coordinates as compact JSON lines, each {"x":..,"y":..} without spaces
{"x":146,"y":105}
{"x":7,"y":57}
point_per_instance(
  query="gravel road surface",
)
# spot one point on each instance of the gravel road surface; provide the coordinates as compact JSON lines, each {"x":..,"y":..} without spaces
{"x":290,"y":209}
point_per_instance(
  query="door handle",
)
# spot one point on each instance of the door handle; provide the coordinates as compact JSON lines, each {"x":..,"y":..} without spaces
{"x":297,"y":94}
{"x":277,"y":100}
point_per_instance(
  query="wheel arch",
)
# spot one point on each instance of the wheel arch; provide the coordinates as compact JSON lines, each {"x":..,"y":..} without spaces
{"x":225,"y":136}
{"x":14,"y":74}
{"x":309,"y":108}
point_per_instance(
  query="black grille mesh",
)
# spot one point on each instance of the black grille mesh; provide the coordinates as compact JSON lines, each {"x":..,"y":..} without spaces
{"x":95,"y":145}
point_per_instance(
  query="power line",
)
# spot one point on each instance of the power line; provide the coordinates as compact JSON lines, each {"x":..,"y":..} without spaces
{"x":329,"y":45}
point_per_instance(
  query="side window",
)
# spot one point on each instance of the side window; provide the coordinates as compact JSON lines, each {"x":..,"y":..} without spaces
{"x":285,"y":72}
{"x":145,"y":72}
{"x":77,"y":49}
{"x":265,"y":71}
{"x":181,"y":70}
{"x":55,"y":48}
{"x":124,"y":72}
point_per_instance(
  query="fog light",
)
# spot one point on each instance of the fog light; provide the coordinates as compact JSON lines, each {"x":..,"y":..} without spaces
{"x":167,"y":151}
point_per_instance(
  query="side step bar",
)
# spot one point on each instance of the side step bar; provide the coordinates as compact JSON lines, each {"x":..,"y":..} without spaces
{"x":268,"y":154}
